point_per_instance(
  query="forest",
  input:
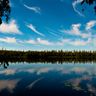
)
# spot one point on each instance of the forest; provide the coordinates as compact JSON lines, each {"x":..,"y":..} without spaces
{"x":47,"y":56}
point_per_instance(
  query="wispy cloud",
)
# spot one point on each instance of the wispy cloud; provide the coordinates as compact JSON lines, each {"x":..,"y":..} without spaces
{"x":74,"y":4}
{"x":33,"y":28}
{"x":10,"y":28}
{"x":53,"y":32}
{"x":35,"y":9}
{"x":34,"y":82}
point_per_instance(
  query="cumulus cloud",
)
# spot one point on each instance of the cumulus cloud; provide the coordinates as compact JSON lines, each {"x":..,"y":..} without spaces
{"x":90,"y":24}
{"x":76,"y":42}
{"x":31,"y":42}
{"x":80,"y":42}
{"x":33,"y":28}
{"x":44,"y":42}
{"x":8,"y":40}
{"x":75,"y":30}
{"x":85,"y":37}
{"x":39,"y":41}
{"x":10,"y":28}
{"x":35,"y":9}
{"x":63,"y":42}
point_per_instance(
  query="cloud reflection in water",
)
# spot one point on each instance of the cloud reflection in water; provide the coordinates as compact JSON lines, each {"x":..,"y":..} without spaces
{"x":78,"y":77}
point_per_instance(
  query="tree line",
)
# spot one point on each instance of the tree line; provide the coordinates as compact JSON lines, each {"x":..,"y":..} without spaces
{"x":47,"y":56}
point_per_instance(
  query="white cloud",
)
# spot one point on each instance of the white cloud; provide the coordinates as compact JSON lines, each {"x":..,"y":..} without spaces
{"x":35,"y":9}
{"x":11,"y":28}
{"x":74,"y":4}
{"x":76,"y":42}
{"x":80,"y":42}
{"x":8,"y":40}
{"x":33,"y":28}
{"x":63,"y":42}
{"x":75,"y":30}
{"x":43,"y":42}
{"x":31,"y":42}
{"x":90,"y":24}
{"x":39,"y":41}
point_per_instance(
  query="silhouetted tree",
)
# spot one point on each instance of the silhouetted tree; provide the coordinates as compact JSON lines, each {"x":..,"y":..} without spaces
{"x":4,"y":10}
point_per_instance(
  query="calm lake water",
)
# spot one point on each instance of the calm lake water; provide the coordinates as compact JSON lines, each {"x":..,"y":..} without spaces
{"x":23,"y":79}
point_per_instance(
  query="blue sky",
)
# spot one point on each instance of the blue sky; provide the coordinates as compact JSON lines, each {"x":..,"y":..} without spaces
{"x":49,"y":25}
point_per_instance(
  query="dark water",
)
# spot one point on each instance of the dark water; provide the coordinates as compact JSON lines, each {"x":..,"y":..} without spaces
{"x":23,"y":79}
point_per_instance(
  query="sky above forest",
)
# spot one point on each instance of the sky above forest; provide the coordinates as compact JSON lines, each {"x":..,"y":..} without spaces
{"x":49,"y":25}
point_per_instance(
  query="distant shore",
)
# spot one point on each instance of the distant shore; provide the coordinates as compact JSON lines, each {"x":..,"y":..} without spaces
{"x":47,"y":56}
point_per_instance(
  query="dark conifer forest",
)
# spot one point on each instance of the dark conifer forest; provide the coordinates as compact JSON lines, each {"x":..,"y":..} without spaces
{"x":47,"y":56}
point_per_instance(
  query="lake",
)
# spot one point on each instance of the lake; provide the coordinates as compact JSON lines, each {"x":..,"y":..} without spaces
{"x":46,"y":79}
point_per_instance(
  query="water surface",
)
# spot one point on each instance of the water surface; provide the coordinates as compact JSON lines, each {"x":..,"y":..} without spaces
{"x":38,"y":79}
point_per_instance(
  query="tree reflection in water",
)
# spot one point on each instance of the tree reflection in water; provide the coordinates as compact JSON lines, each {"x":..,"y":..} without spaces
{"x":5,"y":64}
